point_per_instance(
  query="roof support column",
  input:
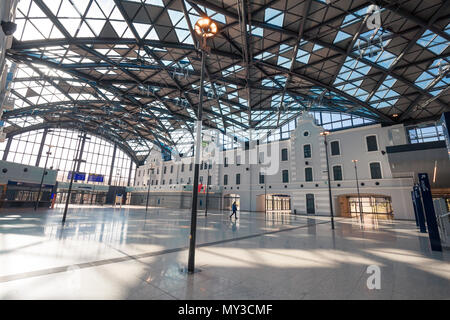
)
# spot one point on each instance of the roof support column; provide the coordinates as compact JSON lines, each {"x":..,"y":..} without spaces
{"x":83,"y":141}
{"x":112,"y":164}
{"x":41,"y":147}
{"x":129,"y":173}
{"x":6,"y":152}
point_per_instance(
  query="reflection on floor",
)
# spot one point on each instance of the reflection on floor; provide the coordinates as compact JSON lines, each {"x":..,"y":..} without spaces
{"x":126,"y":253}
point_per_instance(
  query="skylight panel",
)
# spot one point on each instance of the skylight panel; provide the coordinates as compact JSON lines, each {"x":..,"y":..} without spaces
{"x":284,"y":62}
{"x":433,"y":42}
{"x":119,"y":27}
{"x":85,"y":31}
{"x":141,"y":28}
{"x":317,"y":47}
{"x":158,"y":3}
{"x":94,"y":11}
{"x":116,"y":15}
{"x":152,"y":35}
{"x":267,"y":82}
{"x":435,"y":71}
{"x":256,"y":31}
{"x":340,"y":36}
{"x":265,"y":55}
{"x":274,"y":16}
{"x":71,"y":25}
{"x":184,"y":36}
{"x":303,"y":56}
{"x":175,"y":16}
{"x":67,"y":10}
{"x":36,"y":12}
{"x":219,"y":17}
{"x":31,"y":33}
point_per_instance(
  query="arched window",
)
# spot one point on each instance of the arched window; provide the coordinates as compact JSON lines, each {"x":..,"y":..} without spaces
{"x":97,"y":154}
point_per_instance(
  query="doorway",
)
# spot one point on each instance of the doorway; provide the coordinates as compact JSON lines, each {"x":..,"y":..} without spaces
{"x":310,"y":204}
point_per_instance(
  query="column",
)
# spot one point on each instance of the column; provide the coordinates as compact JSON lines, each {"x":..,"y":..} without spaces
{"x":6,"y":152}
{"x":112,"y":164}
{"x":129,"y":173}
{"x":41,"y":147}
{"x":81,"y":152}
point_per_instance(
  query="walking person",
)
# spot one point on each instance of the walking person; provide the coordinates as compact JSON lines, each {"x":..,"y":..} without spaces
{"x":234,"y":208}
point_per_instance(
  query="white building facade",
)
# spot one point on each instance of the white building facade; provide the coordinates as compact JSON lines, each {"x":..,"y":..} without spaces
{"x":297,"y":180}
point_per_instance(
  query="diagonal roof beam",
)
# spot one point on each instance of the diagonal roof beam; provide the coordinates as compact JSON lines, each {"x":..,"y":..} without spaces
{"x":319,"y":42}
{"x":306,"y":7}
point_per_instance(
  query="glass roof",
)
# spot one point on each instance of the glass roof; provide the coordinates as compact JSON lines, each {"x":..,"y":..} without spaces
{"x":131,"y":69}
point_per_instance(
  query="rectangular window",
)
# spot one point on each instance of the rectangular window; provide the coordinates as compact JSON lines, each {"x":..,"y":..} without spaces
{"x":307,"y":151}
{"x":190,"y":166}
{"x":165,"y":170}
{"x":209,"y":180}
{"x":225,"y":163}
{"x":182,"y":167}
{"x":171,"y":169}
{"x":308,"y":174}
{"x":225,"y":180}
{"x":285,"y":176}
{"x":238,"y":160}
{"x":238,"y":178}
{"x":261,"y":178}
{"x":335,"y":149}
{"x":375,"y":170}
{"x":372,"y":143}
{"x":337,"y":173}
{"x":284,"y":154}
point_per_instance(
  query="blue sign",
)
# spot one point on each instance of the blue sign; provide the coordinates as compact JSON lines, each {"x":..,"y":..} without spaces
{"x":427,"y":199}
{"x":95,"y":177}
{"x":79,"y":176}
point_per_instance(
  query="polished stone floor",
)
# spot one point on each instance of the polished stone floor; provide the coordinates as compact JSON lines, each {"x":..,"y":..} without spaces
{"x":126,"y":253}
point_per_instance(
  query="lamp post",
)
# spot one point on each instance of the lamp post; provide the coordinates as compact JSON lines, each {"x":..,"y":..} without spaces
{"x":42,"y":179}
{"x":207,"y":190}
{"x":205,"y":28}
{"x":118,"y":173}
{"x":357,"y":189}
{"x":325,"y":134}
{"x":265,"y":195}
{"x":148,"y":193}
{"x":75,"y":162}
